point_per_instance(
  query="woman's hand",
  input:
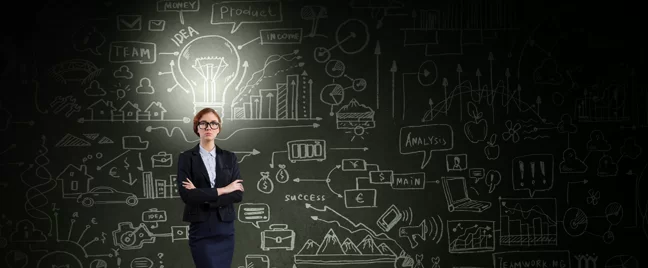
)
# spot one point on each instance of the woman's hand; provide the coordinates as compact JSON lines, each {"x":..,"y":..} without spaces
{"x":188,"y":184}
{"x":234,"y":186}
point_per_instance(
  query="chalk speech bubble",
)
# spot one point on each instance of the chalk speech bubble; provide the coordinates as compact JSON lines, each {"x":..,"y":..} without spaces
{"x":425,"y":139}
{"x":254,"y":213}
{"x":538,"y":258}
{"x":533,"y":173}
{"x":238,"y":13}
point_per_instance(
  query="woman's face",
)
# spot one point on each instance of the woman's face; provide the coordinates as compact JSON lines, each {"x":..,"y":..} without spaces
{"x":208,"y":133}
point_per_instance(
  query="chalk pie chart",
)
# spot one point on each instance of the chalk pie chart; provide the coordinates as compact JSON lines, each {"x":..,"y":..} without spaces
{"x":575,"y":221}
{"x":332,"y":94}
{"x":622,"y":261}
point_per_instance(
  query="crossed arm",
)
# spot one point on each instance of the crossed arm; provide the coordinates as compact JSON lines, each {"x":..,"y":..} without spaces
{"x":232,"y":193}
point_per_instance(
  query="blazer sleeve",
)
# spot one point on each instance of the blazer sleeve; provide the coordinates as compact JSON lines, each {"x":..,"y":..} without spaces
{"x":233,"y":197}
{"x":196,"y":196}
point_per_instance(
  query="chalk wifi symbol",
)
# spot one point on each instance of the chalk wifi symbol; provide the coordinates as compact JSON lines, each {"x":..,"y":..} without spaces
{"x":408,"y":216}
{"x":436,"y":232}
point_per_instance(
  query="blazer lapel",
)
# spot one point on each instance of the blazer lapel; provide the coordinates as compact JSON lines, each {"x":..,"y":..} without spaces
{"x":197,"y":158}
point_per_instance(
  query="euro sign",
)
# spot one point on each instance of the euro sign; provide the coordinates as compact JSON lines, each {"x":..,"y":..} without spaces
{"x":359,"y":198}
{"x":113,"y":172}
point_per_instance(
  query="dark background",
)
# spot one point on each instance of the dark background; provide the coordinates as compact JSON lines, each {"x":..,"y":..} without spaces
{"x":558,"y":85}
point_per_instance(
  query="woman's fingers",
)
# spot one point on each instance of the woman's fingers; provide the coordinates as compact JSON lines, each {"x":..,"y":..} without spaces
{"x":188,"y":184}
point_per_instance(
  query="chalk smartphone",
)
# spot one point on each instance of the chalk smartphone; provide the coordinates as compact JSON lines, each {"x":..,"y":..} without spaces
{"x":388,"y":219}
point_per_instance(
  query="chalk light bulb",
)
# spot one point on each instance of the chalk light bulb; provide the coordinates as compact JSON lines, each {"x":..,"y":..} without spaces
{"x":209,"y":64}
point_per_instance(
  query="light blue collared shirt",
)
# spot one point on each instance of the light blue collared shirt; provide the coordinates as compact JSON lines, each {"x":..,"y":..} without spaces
{"x":209,"y":158}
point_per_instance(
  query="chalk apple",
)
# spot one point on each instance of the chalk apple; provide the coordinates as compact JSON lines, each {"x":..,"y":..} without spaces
{"x":477,"y":129}
{"x":492,"y":150}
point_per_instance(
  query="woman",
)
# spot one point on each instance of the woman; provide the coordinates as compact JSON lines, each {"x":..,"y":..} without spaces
{"x":209,"y":184}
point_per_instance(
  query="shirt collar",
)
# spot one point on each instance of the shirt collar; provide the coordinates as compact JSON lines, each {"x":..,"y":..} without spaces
{"x":203,"y":151}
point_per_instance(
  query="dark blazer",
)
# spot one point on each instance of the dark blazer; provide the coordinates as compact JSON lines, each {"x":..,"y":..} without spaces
{"x":199,"y":201}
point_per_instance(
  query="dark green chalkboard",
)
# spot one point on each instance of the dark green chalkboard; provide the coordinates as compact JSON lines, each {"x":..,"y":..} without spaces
{"x":369,"y":133}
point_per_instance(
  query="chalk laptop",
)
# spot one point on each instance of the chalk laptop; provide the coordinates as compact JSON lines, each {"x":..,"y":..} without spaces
{"x":456,"y":195}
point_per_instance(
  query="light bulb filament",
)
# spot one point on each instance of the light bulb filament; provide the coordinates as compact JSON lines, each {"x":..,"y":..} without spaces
{"x":210,"y":68}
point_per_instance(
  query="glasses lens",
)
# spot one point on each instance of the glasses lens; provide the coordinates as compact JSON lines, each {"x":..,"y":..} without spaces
{"x":212,"y":125}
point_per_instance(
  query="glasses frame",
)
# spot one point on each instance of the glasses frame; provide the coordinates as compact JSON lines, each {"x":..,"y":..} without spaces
{"x":205,"y":124}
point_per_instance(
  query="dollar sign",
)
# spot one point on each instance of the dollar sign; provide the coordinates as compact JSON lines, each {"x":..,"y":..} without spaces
{"x":265,"y":184}
{"x":382,"y":176}
{"x":282,"y":176}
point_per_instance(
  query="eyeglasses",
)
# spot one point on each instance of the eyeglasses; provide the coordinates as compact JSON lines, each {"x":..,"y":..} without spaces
{"x":212,"y":125}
